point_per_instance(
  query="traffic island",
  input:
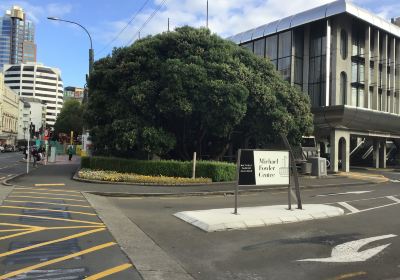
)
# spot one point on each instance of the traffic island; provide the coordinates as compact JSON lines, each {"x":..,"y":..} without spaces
{"x":261,"y":216}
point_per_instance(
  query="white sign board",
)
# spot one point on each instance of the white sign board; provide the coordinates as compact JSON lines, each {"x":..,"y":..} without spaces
{"x":258,"y":167}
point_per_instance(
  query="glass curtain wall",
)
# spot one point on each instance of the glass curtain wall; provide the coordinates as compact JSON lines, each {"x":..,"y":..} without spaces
{"x":317,"y":64}
{"x":285,"y":54}
{"x":271,"y":49}
{"x":357,"y":65}
{"x":298,"y":35}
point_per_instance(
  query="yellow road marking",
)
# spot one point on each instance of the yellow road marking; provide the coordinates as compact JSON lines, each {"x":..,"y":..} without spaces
{"x":74,"y":227}
{"x":2,"y":178}
{"x":50,"y":210}
{"x":349,"y":275}
{"x":49,"y":190}
{"x":57,"y":194}
{"x":50,"y":242}
{"x":51,"y":198}
{"x":19,"y":234}
{"x":50,"y":203}
{"x":19,"y":225}
{"x":109,"y":271}
{"x":32,"y":267}
{"x":11,"y":230}
{"x":49,"y":185}
{"x":50,"y":218}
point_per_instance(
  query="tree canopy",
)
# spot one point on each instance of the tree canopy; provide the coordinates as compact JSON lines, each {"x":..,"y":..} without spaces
{"x":190,"y":90}
{"x":70,"y":118}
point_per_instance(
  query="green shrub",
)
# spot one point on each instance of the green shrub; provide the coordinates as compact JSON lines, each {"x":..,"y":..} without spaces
{"x":217,"y":171}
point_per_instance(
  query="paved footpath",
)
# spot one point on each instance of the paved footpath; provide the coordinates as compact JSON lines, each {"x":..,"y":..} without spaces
{"x":48,"y":231}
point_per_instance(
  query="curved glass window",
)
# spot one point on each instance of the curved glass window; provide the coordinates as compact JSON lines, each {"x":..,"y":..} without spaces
{"x":343,"y":44}
{"x":343,"y":88}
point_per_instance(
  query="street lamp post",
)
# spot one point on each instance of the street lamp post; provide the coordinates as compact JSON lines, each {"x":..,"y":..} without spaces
{"x":91,"y":51}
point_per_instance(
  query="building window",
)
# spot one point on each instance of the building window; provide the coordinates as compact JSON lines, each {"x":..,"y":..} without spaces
{"x":343,"y":89}
{"x":259,"y":47}
{"x":271,"y":48}
{"x":317,"y":64}
{"x":248,"y":46}
{"x":284,"y":54}
{"x":343,"y":44}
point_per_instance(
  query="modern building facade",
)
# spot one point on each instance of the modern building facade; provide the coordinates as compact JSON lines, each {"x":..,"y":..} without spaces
{"x":9,"y":113}
{"x":347,"y":60}
{"x":17,"y":38}
{"x":35,"y":80}
{"x":75,"y":93}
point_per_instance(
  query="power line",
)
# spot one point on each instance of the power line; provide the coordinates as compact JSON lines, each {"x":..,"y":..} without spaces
{"x":125,"y":27}
{"x":147,"y":21}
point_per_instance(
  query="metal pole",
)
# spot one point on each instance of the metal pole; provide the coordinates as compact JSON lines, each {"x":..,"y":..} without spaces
{"x":194,"y":166}
{"x":28,"y":158}
{"x":168,"y":24}
{"x":237,"y":181}
{"x":207,"y":15}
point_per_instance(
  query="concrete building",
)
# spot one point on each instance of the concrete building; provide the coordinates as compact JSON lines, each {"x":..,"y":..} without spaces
{"x":31,"y":111}
{"x":17,"y":38}
{"x":9,"y":113}
{"x":74,"y":93}
{"x":35,"y":80}
{"x":347,"y":60}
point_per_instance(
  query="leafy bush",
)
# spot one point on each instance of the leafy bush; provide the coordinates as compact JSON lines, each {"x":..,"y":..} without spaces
{"x":113,"y":176}
{"x":217,"y":171}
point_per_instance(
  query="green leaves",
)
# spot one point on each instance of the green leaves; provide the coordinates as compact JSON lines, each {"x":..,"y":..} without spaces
{"x":70,"y":118}
{"x":189,"y":90}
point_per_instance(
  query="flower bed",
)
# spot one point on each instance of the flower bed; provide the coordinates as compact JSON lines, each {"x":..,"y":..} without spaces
{"x":113,"y":176}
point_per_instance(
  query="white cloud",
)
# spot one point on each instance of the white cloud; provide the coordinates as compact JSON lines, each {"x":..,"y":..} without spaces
{"x":226,"y":17}
{"x":37,"y":13}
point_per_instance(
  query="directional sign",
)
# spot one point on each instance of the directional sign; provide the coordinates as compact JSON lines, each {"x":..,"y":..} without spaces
{"x":344,"y":193}
{"x":348,"y":252}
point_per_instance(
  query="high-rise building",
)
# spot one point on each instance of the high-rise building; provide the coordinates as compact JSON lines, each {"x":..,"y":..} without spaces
{"x":348,"y":62}
{"x":17,"y":38}
{"x":34,"y":80}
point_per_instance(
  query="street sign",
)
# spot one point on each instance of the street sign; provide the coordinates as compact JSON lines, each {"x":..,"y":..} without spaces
{"x":348,"y":252}
{"x":263,"y":168}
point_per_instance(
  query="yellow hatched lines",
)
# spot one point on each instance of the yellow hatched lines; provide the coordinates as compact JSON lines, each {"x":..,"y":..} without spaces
{"x":19,"y":234}
{"x":36,"y":266}
{"x":50,"y":218}
{"x":45,"y":197}
{"x":110,"y":271}
{"x":49,"y":210}
{"x":56,"y":194}
{"x":49,"y":190}
{"x":51,"y":242}
{"x":43,"y":202}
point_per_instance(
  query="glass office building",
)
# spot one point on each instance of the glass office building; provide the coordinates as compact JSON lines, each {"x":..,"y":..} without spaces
{"x":17,"y":38}
{"x":347,"y":60}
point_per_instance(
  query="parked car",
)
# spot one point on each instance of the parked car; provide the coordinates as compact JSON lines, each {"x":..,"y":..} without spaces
{"x":2,"y":149}
{"x":9,"y":148}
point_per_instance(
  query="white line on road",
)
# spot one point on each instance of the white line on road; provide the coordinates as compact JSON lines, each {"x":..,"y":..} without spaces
{"x":395,"y":199}
{"x":349,"y":207}
{"x":343,"y":193}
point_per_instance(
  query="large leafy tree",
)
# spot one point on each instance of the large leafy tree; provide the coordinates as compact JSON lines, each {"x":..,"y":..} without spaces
{"x":178,"y":92}
{"x":70,"y":118}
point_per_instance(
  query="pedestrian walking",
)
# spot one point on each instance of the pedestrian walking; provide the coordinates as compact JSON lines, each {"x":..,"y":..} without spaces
{"x":35,"y":155}
{"x":70,"y":152}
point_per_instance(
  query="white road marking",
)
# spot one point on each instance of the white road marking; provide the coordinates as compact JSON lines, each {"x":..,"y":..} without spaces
{"x":352,"y":209}
{"x":344,"y":193}
{"x":395,"y":199}
{"x":348,"y":252}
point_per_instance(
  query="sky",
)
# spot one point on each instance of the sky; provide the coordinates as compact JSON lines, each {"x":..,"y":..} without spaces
{"x":118,"y":23}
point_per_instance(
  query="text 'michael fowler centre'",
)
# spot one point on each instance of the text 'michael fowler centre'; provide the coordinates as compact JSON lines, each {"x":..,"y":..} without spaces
{"x":348,"y":61}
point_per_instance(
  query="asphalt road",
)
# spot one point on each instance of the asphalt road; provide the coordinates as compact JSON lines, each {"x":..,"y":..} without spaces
{"x":259,"y":253}
{"x":50,"y":232}
{"x":10,"y":164}
{"x":274,"y":252}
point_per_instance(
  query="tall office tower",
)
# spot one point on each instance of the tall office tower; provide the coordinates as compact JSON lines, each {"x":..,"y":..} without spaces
{"x":17,"y":38}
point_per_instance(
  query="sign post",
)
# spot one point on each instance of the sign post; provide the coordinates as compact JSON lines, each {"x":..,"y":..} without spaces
{"x":262,"y":168}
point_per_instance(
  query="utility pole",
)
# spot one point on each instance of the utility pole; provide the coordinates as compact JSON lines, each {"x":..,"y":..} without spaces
{"x":168,"y":24}
{"x":207,"y":15}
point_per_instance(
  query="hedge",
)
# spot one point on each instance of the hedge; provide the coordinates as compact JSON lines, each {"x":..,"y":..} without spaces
{"x":217,"y":171}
